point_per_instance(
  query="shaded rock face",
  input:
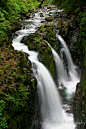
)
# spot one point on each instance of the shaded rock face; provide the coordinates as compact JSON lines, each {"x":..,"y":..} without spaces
{"x":80,"y":98}
{"x":17,"y":89}
{"x":79,"y":56}
{"x":74,"y":44}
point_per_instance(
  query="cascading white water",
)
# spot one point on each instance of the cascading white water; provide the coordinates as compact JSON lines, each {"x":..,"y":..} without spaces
{"x":60,"y":71}
{"x":67,"y":53}
{"x":47,"y":92}
{"x":73,"y":78}
{"x":72,"y":68}
{"x":53,"y":116}
{"x":51,"y":109}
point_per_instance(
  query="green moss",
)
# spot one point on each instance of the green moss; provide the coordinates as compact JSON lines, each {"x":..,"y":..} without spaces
{"x":3,"y":123}
{"x":48,"y":25}
{"x":49,"y":18}
{"x":1,"y":57}
{"x":36,"y":41}
{"x":16,"y":88}
{"x":1,"y":72}
{"x":49,"y":7}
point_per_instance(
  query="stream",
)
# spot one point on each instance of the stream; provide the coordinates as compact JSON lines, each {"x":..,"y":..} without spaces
{"x":56,"y":112}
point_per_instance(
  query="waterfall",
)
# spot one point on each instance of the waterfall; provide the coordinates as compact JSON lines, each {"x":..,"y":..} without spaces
{"x":53,"y":114}
{"x":72,"y":78}
{"x":51,"y":109}
{"x":59,"y":68}
{"x":50,"y":101}
{"x":72,"y":68}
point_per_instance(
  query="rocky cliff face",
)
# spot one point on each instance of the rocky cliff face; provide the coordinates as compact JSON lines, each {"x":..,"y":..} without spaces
{"x":78,"y":53}
{"x":80,"y":98}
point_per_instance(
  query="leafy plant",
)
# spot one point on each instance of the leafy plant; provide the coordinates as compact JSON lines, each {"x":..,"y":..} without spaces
{"x":7,"y":65}
{"x":18,"y":99}
{"x":41,"y":28}
{"x":1,"y":57}
{"x":82,"y":35}
{"x":1,"y":72}
{"x":37,"y":40}
{"x":3,"y":123}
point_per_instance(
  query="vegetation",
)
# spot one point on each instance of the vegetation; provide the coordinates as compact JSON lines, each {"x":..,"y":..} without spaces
{"x":14,"y":76}
{"x":3,"y":123}
{"x":10,"y":12}
{"x":15,"y":88}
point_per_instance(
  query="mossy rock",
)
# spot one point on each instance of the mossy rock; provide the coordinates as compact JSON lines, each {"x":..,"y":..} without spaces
{"x":80,"y":98}
{"x":48,"y":25}
{"x":15,"y":85}
{"x":49,"y":7}
{"x":37,"y":41}
{"x":28,"y":15}
{"x":16,"y":122}
{"x":49,"y":18}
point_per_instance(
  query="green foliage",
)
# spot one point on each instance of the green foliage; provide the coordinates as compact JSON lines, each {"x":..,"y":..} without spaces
{"x":10,"y":12}
{"x":3,"y":123}
{"x":4,"y":26}
{"x":83,"y":22}
{"x":37,"y":40}
{"x":16,"y":102}
{"x":69,"y":6}
{"x":82,"y":25}
{"x":46,"y":2}
{"x":53,"y":39}
{"x":77,"y":11}
{"x":41,"y":29}
{"x":1,"y":72}
{"x":17,"y":99}
{"x":7,"y":65}
{"x":1,"y":57}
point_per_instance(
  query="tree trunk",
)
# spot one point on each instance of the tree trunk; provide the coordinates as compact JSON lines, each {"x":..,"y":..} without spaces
{"x":41,"y":3}
{"x":80,"y":5}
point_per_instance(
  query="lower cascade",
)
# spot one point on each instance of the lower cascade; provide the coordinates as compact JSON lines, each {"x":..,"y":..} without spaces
{"x":48,"y":93}
{"x":52,"y":112}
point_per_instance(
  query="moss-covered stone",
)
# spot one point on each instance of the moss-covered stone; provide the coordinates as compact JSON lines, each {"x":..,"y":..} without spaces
{"x":15,"y":87}
{"x":49,"y":18}
{"x":37,"y":41}
{"x":49,"y":7}
{"x":80,"y":98}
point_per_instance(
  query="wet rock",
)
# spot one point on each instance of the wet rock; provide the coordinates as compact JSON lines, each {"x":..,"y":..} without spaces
{"x":64,"y":15}
{"x":49,"y":18}
{"x":68,"y":111}
{"x":13,"y":85}
{"x":28,"y":15}
{"x":41,"y":14}
{"x":49,"y":7}
{"x":48,"y":25}
{"x":59,"y":12}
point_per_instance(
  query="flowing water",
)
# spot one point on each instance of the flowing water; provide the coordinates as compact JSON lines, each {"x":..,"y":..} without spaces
{"x":68,"y":80}
{"x":54,"y":115}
